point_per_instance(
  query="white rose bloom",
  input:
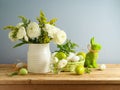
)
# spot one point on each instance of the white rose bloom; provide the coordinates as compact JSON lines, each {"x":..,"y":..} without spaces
{"x":21,"y":33}
{"x":51,"y":29}
{"x":11,"y":33}
{"x":62,"y":63}
{"x":33,"y":30}
{"x":60,"y":37}
{"x":19,"y":25}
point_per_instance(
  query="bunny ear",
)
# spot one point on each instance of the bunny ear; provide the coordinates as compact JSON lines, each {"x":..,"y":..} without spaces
{"x":92,"y":41}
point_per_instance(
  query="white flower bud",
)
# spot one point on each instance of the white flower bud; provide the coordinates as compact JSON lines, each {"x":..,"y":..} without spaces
{"x":62,"y":63}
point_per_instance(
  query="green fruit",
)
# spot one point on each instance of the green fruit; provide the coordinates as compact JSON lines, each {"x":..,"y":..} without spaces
{"x":80,"y":70}
{"x":23,"y":71}
{"x":82,"y":53}
{"x":61,"y":55}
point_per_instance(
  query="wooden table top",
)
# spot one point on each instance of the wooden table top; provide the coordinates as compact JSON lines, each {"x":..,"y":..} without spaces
{"x":111,"y":75}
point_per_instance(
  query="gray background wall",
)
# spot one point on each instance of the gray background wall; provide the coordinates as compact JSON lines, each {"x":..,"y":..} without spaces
{"x":81,"y":19}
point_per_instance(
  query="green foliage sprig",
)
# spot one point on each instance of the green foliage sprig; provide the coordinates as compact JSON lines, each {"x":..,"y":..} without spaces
{"x":87,"y":70}
{"x":25,"y":21}
{"x":68,"y":47}
{"x":43,"y":20}
{"x":10,"y":27}
{"x":44,"y":38}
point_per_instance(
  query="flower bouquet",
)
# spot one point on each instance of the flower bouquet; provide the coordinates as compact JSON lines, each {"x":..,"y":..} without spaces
{"x":38,"y":36}
{"x":37,"y":33}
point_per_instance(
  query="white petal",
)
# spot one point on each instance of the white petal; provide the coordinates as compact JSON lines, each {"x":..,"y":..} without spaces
{"x":21,"y":33}
{"x":26,"y":38}
{"x":33,"y":30}
{"x":51,"y":29}
{"x":60,"y":37}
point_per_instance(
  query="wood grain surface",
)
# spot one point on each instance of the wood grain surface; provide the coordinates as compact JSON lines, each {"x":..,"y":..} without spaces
{"x":109,"y":76}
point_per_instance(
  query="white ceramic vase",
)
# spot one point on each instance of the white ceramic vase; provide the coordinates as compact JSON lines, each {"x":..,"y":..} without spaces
{"x":39,"y":58}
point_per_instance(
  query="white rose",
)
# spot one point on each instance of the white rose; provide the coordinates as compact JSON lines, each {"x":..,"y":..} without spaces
{"x":62,"y":63}
{"x":21,"y":33}
{"x":51,"y":29}
{"x":11,"y":36}
{"x":33,"y":30}
{"x":60,"y":37}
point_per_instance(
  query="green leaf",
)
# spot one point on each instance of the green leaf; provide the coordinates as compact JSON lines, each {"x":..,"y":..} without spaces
{"x":42,"y":19}
{"x":68,"y":47}
{"x":38,"y":19}
{"x":13,"y":73}
{"x":10,"y":27}
{"x":87,"y":70}
{"x":42,"y":13}
{"x":19,"y":44}
{"x":24,"y":19}
{"x":52,"y":21}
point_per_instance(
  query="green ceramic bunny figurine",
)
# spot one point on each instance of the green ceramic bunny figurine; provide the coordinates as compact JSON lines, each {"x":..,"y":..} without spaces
{"x":92,"y":55}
